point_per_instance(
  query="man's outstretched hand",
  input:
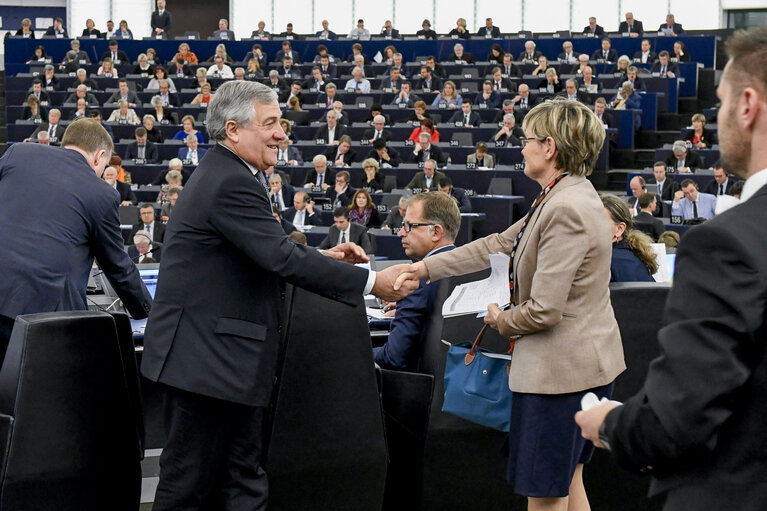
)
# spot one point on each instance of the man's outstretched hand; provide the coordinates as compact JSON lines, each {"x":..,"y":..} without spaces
{"x":347,"y":252}
{"x":389,"y":287}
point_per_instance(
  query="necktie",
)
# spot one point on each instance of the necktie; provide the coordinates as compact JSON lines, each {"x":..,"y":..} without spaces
{"x":695,"y":209}
{"x":357,"y":86}
{"x":51,"y":130}
{"x":343,"y":237}
{"x":663,"y":70}
{"x":320,"y":179}
{"x":660,"y":189}
{"x":262,"y":180}
{"x":377,"y":135}
{"x":465,"y":119}
{"x":721,"y":189}
{"x":317,"y":86}
{"x":114,"y":57}
{"x":508,"y":70}
{"x":604,"y":53}
{"x":140,"y":151}
{"x":148,"y":228}
{"x":497,"y":85}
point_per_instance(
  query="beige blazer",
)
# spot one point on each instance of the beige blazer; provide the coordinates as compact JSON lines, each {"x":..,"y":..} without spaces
{"x":570,"y":339}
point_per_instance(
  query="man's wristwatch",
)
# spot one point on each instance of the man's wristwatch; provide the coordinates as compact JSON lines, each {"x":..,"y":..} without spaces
{"x":603,"y":438}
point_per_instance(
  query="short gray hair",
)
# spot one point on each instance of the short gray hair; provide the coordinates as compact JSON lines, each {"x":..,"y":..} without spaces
{"x":275,"y":177}
{"x":509,"y":117}
{"x":189,"y":137}
{"x":48,"y":67}
{"x":680,"y":146}
{"x":142,"y":235}
{"x":627,"y":83}
{"x":320,"y":158}
{"x":235,"y":101}
{"x":82,"y":70}
{"x":156,"y":101}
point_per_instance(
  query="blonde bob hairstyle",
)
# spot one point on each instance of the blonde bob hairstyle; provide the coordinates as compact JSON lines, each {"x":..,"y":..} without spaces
{"x":576,"y":131}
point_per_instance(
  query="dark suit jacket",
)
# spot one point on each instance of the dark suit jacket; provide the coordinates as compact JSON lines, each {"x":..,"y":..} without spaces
{"x":607,"y":118}
{"x":495,"y":32}
{"x":419,"y":181}
{"x":677,"y":28}
{"x":464,"y":204}
{"x":173,"y":70}
{"x":43,"y":126}
{"x":330,"y":72}
{"x":369,"y":133}
{"x":332,"y":36}
{"x":344,"y":199}
{"x":693,"y":160}
{"x":523,"y":56}
{"x":280,"y":54}
{"x":713,"y":186}
{"x":699,"y":418}
{"x":394,"y":157}
{"x":626,"y":267}
{"x":322,"y":99}
{"x":184,"y":151}
{"x":323,"y":133}
{"x":708,"y":137}
{"x":150,"y":153}
{"x":636,"y":28}
{"x":458,"y":116}
{"x":436,"y":154}
{"x":121,"y":56}
{"x":404,"y":348}
{"x":357,"y":234}
{"x":290,"y":214}
{"x":164,"y":22}
{"x":394,"y":33}
{"x":580,"y":95}
{"x":652,"y":57}
{"x":222,"y":340}
{"x":159,"y":231}
{"x":612,"y":55}
{"x":125,"y":192}
{"x":670,"y":186}
{"x":47,"y":262}
{"x":52,"y":32}
{"x":598,"y":30}
{"x":494,"y":101}
{"x":671,"y":66}
{"x":134,"y":255}
{"x":330,"y":177}
{"x":648,"y":224}
{"x":467,"y":57}
{"x":219,"y":34}
{"x":436,"y":83}
{"x":331,"y":152}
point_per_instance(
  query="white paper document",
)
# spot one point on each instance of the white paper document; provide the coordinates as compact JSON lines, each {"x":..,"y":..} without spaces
{"x":378,"y":314}
{"x":474,"y":297}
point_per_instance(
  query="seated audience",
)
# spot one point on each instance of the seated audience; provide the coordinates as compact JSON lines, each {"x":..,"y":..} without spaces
{"x":115,"y":54}
{"x":419,"y":115}
{"x":220,"y":69}
{"x":172,"y":179}
{"x":448,"y":97}
{"x":280,"y":195}
{"x":684,"y":159}
{"x":424,"y":150}
{"x":341,"y":194}
{"x":344,"y":231}
{"x":167,"y":207}
{"x":387,"y":157}
{"x":680,"y":52}
{"x":426,"y":32}
{"x":331,"y":131}
{"x":123,"y":32}
{"x":127,"y":197}
{"x":481,"y":159}
{"x":81,"y":111}
{"x":107,"y":69}
{"x":362,"y":210}
{"x":670,"y":239}
{"x":187,"y":123}
{"x":635,"y":80}
{"x":509,"y":134}
{"x":153,"y":133}
{"x":530,"y":55}
{"x":143,"y":67}
{"x":592,"y":29}
{"x":671,"y":27}
{"x":489,"y":98}
{"x":26,"y":29}
{"x":302,"y":213}
{"x":542,"y":67}
{"x":571,"y":92}
{"x":144,"y":250}
{"x":700,"y":137}
{"x":81,"y":92}
{"x":445,"y":185}
{"x":645,"y":55}
{"x":496,"y":54}
{"x":427,"y":179}
{"x":160,"y":74}
{"x":551,"y":83}
{"x":160,"y":114}
{"x":664,"y":67}
{"x":341,"y":155}
{"x":430,"y":226}
{"x":426,"y":126}
{"x":645,"y":220}
{"x":691,"y":204}
{"x":722,"y":184}
{"x":155,"y":230}
{"x":459,"y":56}
{"x":588,"y":82}
{"x":358,"y":83}
{"x":427,"y":81}
{"x":466,"y":117}
{"x":605,"y":118}
{"x":123,"y":114}
{"x":220,"y":52}
{"x":54,"y":129}
{"x":373,"y":181}
{"x":204,"y":97}
{"x":33,"y":111}
{"x":606,"y":53}
{"x":460,"y":31}
{"x":142,"y":149}
{"x":288,"y":154}
{"x":396,"y":216}
{"x":191,"y":154}
{"x":321,"y":177}
{"x":124,"y":93}
{"x":633,"y":258}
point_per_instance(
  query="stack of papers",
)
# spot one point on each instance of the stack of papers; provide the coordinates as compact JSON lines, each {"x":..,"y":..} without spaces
{"x":474,"y":297}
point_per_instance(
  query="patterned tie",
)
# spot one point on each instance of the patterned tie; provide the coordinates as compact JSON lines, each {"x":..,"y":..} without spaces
{"x":260,"y":178}
{"x":343,"y":237}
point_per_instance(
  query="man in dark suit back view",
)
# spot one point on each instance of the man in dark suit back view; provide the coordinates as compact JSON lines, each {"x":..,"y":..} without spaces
{"x":697,"y":424}
{"x":644,"y":220}
{"x":49,"y":249}
{"x":212,"y":341}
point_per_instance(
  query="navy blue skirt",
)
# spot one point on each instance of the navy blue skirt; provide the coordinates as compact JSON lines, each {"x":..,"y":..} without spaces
{"x":545,"y":444}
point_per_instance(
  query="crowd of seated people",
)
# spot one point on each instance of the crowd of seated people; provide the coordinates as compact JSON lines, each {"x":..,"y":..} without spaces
{"x":150,"y":94}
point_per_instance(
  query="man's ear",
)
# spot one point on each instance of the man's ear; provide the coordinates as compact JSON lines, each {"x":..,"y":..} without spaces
{"x":232,"y":131}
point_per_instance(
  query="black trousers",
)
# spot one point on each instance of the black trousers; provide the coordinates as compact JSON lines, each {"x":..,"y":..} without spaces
{"x":212,"y":458}
{"x":6,"y":327}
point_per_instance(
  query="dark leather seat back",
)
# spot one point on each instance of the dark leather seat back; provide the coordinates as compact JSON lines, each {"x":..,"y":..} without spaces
{"x":132,"y":379}
{"x":639,"y":310}
{"x":327,"y":448}
{"x":68,"y":435}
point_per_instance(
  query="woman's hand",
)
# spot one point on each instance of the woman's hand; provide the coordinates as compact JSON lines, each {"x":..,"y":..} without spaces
{"x":491,"y":318}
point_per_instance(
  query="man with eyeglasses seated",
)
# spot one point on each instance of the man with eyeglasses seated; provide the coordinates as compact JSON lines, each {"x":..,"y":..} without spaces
{"x":427,"y":179}
{"x":431,"y":224}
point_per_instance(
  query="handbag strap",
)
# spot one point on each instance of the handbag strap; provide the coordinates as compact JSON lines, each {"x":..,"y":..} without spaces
{"x":469,"y":358}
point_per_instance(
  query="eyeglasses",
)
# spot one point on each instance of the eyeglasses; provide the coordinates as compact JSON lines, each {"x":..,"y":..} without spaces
{"x":526,"y":141}
{"x":407,"y":226}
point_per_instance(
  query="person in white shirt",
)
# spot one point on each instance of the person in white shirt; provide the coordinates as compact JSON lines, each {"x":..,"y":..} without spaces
{"x":276,"y":195}
{"x":358,"y":83}
{"x":220,"y":70}
{"x":360,"y":32}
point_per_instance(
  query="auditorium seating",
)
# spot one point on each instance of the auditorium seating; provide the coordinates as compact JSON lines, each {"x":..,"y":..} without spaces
{"x":69,"y":427}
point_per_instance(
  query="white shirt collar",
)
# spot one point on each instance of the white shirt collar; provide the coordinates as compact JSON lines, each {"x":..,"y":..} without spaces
{"x":753,"y":184}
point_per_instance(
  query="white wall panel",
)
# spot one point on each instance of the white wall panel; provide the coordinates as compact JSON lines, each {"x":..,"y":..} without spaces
{"x":547,"y":16}
{"x":698,"y":15}
{"x":81,"y":10}
{"x":374,"y":14}
{"x":244,"y":16}
{"x":298,"y":12}
{"x":508,"y":19}
{"x":138,"y":14}
{"x":651,"y":14}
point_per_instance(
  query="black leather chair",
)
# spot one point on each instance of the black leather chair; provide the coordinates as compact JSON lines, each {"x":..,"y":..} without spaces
{"x":67,"y":429}
{"x":639,"y":310}
{"x":327,"y":448}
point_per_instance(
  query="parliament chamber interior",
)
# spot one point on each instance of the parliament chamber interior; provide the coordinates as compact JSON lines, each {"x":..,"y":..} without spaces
{"x":372,"y":108}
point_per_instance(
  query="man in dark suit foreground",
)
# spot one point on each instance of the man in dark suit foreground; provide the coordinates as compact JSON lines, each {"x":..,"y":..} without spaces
{"x":49,"y":249}
{"x":212,"y":342}
{"x":343,"y":231}
{"x":420,"y":239}
{"x":697,"y":424}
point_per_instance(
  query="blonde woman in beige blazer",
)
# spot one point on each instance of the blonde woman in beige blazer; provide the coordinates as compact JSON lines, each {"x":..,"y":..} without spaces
{"x":568,"y":340}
